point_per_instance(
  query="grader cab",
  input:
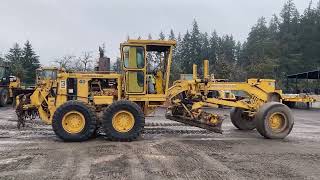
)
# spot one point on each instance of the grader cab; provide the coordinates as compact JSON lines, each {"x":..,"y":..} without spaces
{"x":78,"y":104}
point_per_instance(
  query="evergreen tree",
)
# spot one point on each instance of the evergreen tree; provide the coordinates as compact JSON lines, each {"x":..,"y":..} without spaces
{"x":162,"y":36}
{"x":15,"y":59}
{"x":171,"y":35}
{"x":205,"y":46}
{"x":30,"y":62}
{"x":195,"y":45}
{"x":288,"y":39}
{"x":213,"y":48}
{"x":116,"y":67}
{"x":185,"y":54}
{"x":259,"y":48}
{"x":1,"y":59}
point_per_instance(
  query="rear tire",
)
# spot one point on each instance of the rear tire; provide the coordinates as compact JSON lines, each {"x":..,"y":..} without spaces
{"x":79,"y":109}
{"x":4,"y":97}
{"x":240,"y":121}
{"x":274,"y":120}
{"x":123,"y":121}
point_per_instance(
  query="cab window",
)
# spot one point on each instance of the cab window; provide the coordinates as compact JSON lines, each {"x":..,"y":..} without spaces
{"x":136,"y":79}
{"x":133,"y":57}
{"x":47,"y":74}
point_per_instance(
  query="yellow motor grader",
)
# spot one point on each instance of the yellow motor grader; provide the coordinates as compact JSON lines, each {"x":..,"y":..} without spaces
{"x":77,"y":104}
{"x":10,"y":86}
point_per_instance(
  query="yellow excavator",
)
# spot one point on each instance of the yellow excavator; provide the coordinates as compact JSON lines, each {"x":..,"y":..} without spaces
{"x":76,"y":104}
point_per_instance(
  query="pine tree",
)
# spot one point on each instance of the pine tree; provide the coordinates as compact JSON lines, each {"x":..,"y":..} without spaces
{"x":162,"y":36}
{"x":171,"y":35}
{"x":205,"y":46}
{"x":1,"y":59}
{"x":15,"y":59}
{"x":185,"y":54}
{"x":195,"y":43}
{"x":30,"y":62}
{"x":117,"y":66}
{"x":149,"y":37}
{"x":289,"y":45}
{"x":213,"y":48}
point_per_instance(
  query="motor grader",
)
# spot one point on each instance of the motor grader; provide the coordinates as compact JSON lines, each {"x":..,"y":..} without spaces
{"x":10,"y":86}
{"x":78,"y":103}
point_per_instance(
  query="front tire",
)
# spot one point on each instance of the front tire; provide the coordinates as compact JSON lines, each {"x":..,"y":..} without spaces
{"x":240,"y":120}
{"x":123,"y":121}
{"x":274,"y":120}
{"x":74,"y":121}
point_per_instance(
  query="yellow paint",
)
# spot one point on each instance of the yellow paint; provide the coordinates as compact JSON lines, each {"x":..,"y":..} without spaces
{"x":82,"y":88}
{"x":123,"y":121}
{"x":206,"y":69}
{"x":73,"y":122}
{"x":100,"y":100}
{"x":194,"y":72}
{"x":148,"y":97}
{"x":159,"y":82}
{"x":133,"y":83}
{"x":277,"y":122}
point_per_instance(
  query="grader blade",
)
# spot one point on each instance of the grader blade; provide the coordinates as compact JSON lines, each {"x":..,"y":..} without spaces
{"x":196,"y":122}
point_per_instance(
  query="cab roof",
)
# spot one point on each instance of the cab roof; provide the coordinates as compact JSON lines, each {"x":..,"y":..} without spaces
{"x":152,"y":42}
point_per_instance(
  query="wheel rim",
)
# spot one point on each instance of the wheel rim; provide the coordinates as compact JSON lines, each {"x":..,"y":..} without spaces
{"x":277,"y":122}
{"x":73,"y":122}
{"x":123,"y":121}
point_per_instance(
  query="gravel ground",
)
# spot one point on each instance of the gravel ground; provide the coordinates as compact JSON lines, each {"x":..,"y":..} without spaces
{"x":167,"y":150}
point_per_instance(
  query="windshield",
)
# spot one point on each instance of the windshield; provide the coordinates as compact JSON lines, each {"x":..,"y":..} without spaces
{"x":47,"y":74}
{"x":2,"y":71}
{"x":133,"y":57}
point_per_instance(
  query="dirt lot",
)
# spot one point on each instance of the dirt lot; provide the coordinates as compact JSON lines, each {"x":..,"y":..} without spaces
{"x":167,"y":150}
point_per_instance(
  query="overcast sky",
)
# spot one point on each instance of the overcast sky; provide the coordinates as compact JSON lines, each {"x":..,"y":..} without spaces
{"x":59,"y":27}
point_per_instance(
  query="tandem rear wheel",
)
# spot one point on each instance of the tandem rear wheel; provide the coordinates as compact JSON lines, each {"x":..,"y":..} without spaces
{"x":241,"y":120}
{"x":274,"y":120}
{"x":123,"y":121}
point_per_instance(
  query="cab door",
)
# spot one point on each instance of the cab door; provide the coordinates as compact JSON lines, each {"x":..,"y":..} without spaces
{"x":134,"y":61}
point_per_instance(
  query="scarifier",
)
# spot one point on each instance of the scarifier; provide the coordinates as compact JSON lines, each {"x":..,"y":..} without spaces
{"x":79,"y":103}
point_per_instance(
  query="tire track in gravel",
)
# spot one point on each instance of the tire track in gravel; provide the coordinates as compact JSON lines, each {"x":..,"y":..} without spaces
{"x":136,"y":169}
{"x":187,"y":163}
{"x":83,"y":164}
{"x":37,"y":164}
{"x":67,"y":168}
{"x":197,"y":164}
{"x":157,"y":165}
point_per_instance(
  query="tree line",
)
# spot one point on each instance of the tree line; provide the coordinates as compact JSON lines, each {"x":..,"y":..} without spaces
{"x":22,"y":62}
{"x":288,"y":43}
